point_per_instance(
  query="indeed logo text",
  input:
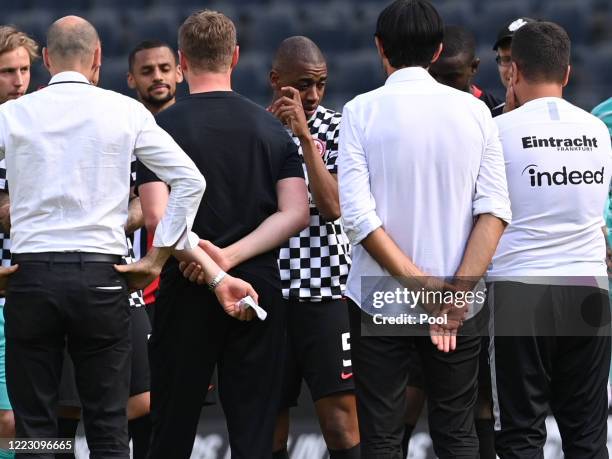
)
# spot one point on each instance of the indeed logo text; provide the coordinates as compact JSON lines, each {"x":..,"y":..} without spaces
{"x":562,"y":177}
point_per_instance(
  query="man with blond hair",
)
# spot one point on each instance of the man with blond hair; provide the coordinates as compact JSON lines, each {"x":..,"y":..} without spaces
{"x":17,"y":52}
{"x":256,"y":199}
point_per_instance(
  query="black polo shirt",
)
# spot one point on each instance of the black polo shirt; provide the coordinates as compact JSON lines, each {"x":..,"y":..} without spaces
{"x":242,"y":151}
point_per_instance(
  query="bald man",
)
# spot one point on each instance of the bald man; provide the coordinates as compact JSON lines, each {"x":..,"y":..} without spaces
{"x":68,"y":239}
{"x":314,"y":264}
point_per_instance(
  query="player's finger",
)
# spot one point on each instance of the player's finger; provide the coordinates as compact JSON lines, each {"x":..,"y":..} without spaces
{"x":187,"y":268}
{"x":193,"y":276}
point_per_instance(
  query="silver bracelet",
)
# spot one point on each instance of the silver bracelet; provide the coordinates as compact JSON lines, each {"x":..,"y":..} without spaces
{"x":217,"y":280}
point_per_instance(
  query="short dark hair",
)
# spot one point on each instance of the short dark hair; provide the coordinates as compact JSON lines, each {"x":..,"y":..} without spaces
{"x":410,"y":32}
{"x":458,"y":40}
{"x":541,"y":51}
{"x":148,"y":44}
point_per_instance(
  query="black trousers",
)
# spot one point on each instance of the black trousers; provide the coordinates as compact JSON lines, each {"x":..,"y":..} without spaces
{"x":381,"y":370}
{"x":533,"y":375}
{"x":191,"y":335}
{"x":84,"y":306}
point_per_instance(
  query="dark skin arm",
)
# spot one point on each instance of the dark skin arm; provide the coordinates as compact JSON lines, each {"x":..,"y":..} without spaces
{"x":323,"y":184}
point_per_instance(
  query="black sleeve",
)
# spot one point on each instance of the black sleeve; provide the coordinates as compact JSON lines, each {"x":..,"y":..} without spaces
{"x":144,"y":175}
{"x":292,"y":165}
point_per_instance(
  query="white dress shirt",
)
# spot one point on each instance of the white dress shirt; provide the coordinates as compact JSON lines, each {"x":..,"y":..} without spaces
{"x":558,"y":163}
{"x":421,"y":160}
{"x":68,"y":149}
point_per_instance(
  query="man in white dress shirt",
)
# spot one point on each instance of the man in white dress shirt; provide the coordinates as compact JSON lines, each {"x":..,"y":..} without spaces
{"x":68,"y":238}
{"x":413,"y":156}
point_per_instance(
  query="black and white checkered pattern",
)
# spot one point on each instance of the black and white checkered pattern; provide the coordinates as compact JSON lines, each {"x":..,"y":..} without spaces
{"x":314,"y":265}
{"x":136,"y":299}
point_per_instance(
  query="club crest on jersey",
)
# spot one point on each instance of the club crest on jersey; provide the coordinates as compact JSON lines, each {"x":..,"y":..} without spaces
{"x":320,"y":146}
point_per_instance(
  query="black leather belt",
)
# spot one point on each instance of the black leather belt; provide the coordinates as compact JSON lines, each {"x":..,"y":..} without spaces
{"x":65,"y":257}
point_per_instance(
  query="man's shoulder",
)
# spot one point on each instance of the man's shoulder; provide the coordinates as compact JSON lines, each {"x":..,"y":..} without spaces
{"x":325,"y":120}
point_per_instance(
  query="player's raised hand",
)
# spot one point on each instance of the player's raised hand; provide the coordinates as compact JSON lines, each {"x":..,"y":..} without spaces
{"x":289,"y":110}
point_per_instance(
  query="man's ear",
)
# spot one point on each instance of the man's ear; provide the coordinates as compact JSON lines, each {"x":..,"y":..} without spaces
{"x":235,"y":57}
{"x":567,"y":75}
{"x":273,"y":79}
{"x":183,"y":63}
{"x":45,"y":56}
{"x":379,"y":47}
{"x":515,"y":76}
{"x":130,"y":81}
{"x":437,"y":53}
{"x":97,"y":60}
{"x":474,"y":66}
{"x":179,"y":73}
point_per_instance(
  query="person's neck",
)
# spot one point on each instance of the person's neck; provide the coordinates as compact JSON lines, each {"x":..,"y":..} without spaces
{"x":208,"y":82}
{"x":155,"y":109}
{"x":538,"y":91}
{"x":77,"y":69}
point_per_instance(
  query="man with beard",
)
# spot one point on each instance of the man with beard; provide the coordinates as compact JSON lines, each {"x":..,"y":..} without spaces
{"x":154,"y":74}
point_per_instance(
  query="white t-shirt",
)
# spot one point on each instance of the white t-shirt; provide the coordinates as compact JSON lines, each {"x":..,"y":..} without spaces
{"x":558,"y":165}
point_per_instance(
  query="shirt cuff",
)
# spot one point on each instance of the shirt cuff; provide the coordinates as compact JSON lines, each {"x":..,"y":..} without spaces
{"x":168,"y":235}
{"x":498,"y":209}
{"x":364,"y":226}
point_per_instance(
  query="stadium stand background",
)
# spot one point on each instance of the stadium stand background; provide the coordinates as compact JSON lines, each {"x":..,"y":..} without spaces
{"x":342,"y":28}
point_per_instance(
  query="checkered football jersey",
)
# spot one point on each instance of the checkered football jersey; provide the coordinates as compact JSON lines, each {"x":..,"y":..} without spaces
{"x":314,"y":265}
{"x":135,"y":297}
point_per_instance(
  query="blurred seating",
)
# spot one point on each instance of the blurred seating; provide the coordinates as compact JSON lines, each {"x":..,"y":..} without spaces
{"x":110,"y":25}
{"x":250,"y":77}
{"x":113,"y":75}
{"x":262,"y":29}
{"x":34,"y":22}
{"x":343,"y":29}
{"x":491,"y":17}
{"x":574,"y":16}
{"x":355,"y":73}
{"x":159,"y":23}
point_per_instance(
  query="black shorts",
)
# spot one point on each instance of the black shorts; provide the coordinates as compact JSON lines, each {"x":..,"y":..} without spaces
{"x":140,"y":380}
{"x":318,"y":350}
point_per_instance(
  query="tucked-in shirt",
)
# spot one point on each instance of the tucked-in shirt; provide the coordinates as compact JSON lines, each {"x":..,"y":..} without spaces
{"x":558,"y":164}
{"x":68,"y":149}
{"x":421,"y":160}
{"x":136,"y":298}
{"x":315,"y":263}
